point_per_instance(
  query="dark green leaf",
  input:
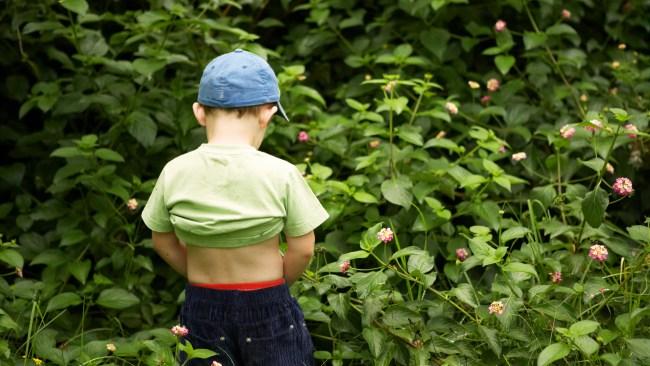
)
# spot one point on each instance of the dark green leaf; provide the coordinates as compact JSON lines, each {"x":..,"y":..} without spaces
{"x":593,"y":207}
{"x":117,"y":298}
{"x":62,"y":301}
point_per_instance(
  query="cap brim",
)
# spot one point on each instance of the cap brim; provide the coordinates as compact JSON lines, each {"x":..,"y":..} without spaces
{"x":281,"y":110}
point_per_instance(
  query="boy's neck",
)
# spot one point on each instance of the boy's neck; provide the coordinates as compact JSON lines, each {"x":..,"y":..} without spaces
{"x":234,"y":131}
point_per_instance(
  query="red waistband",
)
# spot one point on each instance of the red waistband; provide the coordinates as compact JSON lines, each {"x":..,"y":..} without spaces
{"x":246,"y":286}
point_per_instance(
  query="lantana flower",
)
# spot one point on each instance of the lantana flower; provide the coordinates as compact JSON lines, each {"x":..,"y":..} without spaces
{"x":451,"y":108}
{"x":485,"y":99}
{"x":493,"y":84}
{"x":500,"y":25}
{"x":496,"y":308}
{"x":374,"y":144}
{"x":462,"y":254}
{"x":215,"y":363}
{"x":594,"y":125}
{"x":385,"y":235}
{"x":303,"y":136}
{"x":132,"y":204}
{"x":566,"y":14}
{"x":344,"y":266}
{"x":519,"y":156}
{"x":556,"y":277}
{"x":623,"y":186}
{"x":110,"y":347}
{"x":567,"y":131}
{"x":473,"y":84}
{"x":179,"y":330}
{"x":609,"y":168}
{"x":598,"y":252}
{"x":629,"y":127}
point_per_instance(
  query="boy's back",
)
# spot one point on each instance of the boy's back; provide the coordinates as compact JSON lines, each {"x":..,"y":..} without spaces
{"x":220,"y":199}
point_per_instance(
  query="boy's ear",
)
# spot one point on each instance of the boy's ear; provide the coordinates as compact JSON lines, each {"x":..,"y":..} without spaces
{"x":199,"y":113}
{"x":266,"y":114}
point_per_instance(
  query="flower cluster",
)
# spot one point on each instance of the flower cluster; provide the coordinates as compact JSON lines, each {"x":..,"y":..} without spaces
{"x":496,"y":307}
{"x":344,"y":266}
{"x":493,"y":85}
{"x":519,"y":156}
{"x":385,"y":235}
{"x":556,"y":277}
{"x":500,"y":25}
{"x":594,"y":125}
{"x":132,"y":204}
{"x":215,"y":363}
{"x":566,"y":14}
{"x":623,"y":186}
{"x":598,"y":253}
{"x":110,"y":347}
{"x":451,"y":108}
{"x":462,"y":254}
{"x":303,"y":136}
{"x":567,"y":132}
{"x":179,"y":331}
{"x":631,"y":129}
{"x":473,"y":84}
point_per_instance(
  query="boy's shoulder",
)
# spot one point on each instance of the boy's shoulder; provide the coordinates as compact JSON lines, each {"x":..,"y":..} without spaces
{"x":262,"y":160}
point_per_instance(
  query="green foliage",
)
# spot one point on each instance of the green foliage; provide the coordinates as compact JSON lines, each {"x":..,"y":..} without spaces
{"x":418,"y":113}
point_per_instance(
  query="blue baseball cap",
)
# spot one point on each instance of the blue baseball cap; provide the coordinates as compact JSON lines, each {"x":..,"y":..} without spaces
{"x":239,"y":79}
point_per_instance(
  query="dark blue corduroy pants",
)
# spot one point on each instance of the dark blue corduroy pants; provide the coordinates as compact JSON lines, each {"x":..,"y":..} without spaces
{"x":247,"y":328}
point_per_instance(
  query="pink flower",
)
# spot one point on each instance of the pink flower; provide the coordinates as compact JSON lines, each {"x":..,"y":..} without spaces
{"x":519,"y":156}
{"x":215,"y":363}
{"x":344,"y":266}
{"x":462,"y":254}
{"x":303,"y":136}
{"x":485,"y":99}
{"x":556,"y":277}
{"x":609,"y":168}
{"x":132,"y":204}
{"x":631,"y":128}
{"x":179,"y":331}
{"x":598,"y":253}
{"x":385,"y":234}
{"x":500,"y":25}
{"x":623,"y":186}
{"x":493,"y":85}
{"x":566,"y":14}
{"x":567,"y":132}
{"x":502,"y":149}
{"x":594,"y":125}
{"x":496,"y":307}
{"x":451,"y":108}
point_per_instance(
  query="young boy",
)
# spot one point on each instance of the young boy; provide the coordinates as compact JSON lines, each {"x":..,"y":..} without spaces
{"x":216,"y":214}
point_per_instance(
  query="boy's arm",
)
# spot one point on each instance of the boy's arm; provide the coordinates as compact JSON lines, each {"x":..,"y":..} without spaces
{"x":300,"y":249}
{"x":171,"y":250}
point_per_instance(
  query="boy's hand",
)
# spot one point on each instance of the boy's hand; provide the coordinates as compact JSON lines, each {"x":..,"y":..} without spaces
{"x":171,"y":250}
{"x":300,"y":249}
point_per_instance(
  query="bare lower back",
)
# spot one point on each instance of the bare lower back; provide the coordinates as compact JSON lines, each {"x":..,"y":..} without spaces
{"x":253,"y":263}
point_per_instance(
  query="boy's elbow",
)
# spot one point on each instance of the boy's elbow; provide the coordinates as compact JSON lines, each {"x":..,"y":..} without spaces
{"x":302,"y":245}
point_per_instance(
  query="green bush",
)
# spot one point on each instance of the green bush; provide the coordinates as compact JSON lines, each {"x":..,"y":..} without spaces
{"x":413,"y":116}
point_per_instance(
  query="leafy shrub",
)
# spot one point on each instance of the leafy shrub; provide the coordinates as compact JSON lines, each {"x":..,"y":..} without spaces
{"x":479,"y":134}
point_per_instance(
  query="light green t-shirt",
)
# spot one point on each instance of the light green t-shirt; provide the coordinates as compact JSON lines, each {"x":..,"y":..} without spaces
{"x":227,"y":196}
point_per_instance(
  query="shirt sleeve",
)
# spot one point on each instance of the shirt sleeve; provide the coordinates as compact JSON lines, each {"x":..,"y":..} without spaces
{"x":304,"y":211}
{"x":155,"y":213}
